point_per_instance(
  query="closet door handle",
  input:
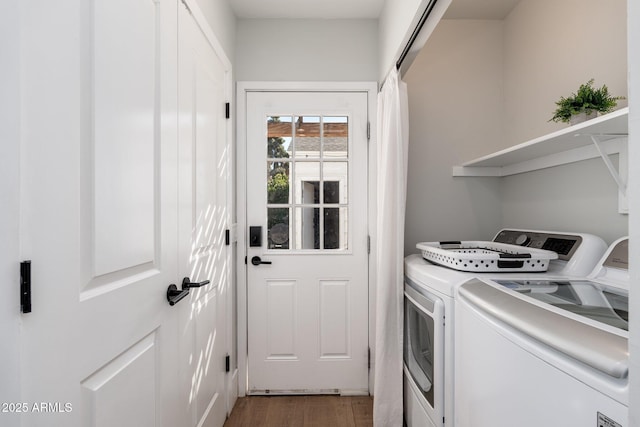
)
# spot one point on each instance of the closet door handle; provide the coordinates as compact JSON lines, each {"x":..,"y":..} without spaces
{"x":187,"y":283}
{"x":174,"y":295}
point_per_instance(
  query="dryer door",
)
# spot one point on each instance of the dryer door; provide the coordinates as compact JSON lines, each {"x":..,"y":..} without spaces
{"x":424,"y":347}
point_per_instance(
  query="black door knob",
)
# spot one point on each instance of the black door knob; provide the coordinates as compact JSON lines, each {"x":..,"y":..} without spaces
{"x":174,"y":295}
{"x":257,"y":261}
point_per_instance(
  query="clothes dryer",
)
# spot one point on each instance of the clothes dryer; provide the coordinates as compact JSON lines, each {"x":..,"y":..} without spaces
{"x":430,"y":291}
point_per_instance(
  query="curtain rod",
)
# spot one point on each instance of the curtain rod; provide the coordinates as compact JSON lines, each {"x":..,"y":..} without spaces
{"x":415,"y":33}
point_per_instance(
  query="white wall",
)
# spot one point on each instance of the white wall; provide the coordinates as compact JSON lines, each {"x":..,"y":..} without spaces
{"x":9,"y":205}
{"x":579,"y":197}
{"x":546,"y":55}
{"x":222,"y":21}
{"x":479,"y":86}
{"x":550,"y":48}
{"x":455,"y":113}
{"x":306,"y":50}
{"x":634,"y":207}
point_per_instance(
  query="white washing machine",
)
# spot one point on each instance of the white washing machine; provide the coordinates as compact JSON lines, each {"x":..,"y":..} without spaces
{"x":430,"y":291}
{"x":545,"y":352}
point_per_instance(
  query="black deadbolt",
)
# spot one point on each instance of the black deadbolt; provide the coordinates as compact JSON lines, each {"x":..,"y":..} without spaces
{"x":255,"y":236}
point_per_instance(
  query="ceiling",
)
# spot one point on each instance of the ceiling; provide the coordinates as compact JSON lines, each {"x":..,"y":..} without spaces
{"x":360,"y":9}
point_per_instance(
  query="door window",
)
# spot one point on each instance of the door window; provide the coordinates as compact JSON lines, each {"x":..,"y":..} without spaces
{"x":308,"y":182}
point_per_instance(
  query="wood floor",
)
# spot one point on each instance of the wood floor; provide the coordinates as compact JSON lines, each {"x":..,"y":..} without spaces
{"x":302,"y":411}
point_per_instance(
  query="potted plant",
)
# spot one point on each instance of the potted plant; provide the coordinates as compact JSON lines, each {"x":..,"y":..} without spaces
{"x":586,"y":103}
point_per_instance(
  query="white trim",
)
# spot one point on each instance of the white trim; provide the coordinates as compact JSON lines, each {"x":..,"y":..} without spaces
{"x":372,"y":217}
{"x":257,"y":86}
{"x":242,"y":88}
{"x":623,"y":171}
{"x":202,"y":22}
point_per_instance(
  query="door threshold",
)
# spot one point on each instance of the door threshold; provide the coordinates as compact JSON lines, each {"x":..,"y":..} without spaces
{"x":305,"y":392}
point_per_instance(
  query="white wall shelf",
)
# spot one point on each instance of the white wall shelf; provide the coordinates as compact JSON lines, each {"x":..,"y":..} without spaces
{"x":599,"y":137}
{"x":568,"y":145}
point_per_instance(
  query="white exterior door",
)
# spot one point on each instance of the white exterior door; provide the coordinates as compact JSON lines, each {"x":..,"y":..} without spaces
{"x":307,"y":193}
{"x":106,"y":192}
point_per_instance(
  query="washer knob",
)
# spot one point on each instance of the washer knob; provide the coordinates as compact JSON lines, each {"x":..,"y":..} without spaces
{"x":523,"y":240}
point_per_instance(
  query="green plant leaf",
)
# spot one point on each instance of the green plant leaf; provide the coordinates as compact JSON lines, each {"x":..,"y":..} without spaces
{"x":585,"y":99}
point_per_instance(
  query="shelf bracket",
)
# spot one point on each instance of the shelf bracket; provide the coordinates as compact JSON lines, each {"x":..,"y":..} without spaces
{"x":622,"y":186}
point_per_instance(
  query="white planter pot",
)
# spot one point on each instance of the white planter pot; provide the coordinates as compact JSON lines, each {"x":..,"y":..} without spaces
{"x":579,"y":118}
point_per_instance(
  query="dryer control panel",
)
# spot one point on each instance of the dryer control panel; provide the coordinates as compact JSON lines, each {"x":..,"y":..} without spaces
{"x":565,"y":245}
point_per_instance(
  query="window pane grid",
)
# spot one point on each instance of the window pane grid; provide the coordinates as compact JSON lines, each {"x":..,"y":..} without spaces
{"x":308,"y":168}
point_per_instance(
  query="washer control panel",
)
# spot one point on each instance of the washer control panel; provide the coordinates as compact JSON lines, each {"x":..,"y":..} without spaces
{"x":565,"y":245}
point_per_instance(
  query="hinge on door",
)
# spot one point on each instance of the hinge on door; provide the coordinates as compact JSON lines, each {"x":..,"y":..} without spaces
{"x":245,"y":260}
{"x":25,"y":286}
{"x":227,"y":110}
{"x":368,"y":131}
{"x":227,"y":237}
{"x":227,"y":363}
{"x":369,"y":358}
{"x":368,"y":244}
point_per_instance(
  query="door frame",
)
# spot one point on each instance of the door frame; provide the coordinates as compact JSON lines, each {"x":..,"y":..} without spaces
{"x":371,"y":88}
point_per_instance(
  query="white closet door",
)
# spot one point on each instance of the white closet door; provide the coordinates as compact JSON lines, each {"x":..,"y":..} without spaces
{"x":124,"y":177}
{"x":204,"y":175}
{"x":100,"y":213}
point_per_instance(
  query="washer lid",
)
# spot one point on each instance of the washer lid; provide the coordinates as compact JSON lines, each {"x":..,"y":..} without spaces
{"x":592,"y":300}
{"x":618,"y":255}
{"x":597,"y":347}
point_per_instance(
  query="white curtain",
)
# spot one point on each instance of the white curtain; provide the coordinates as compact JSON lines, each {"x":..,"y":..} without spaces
{"x":393,"y":143}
